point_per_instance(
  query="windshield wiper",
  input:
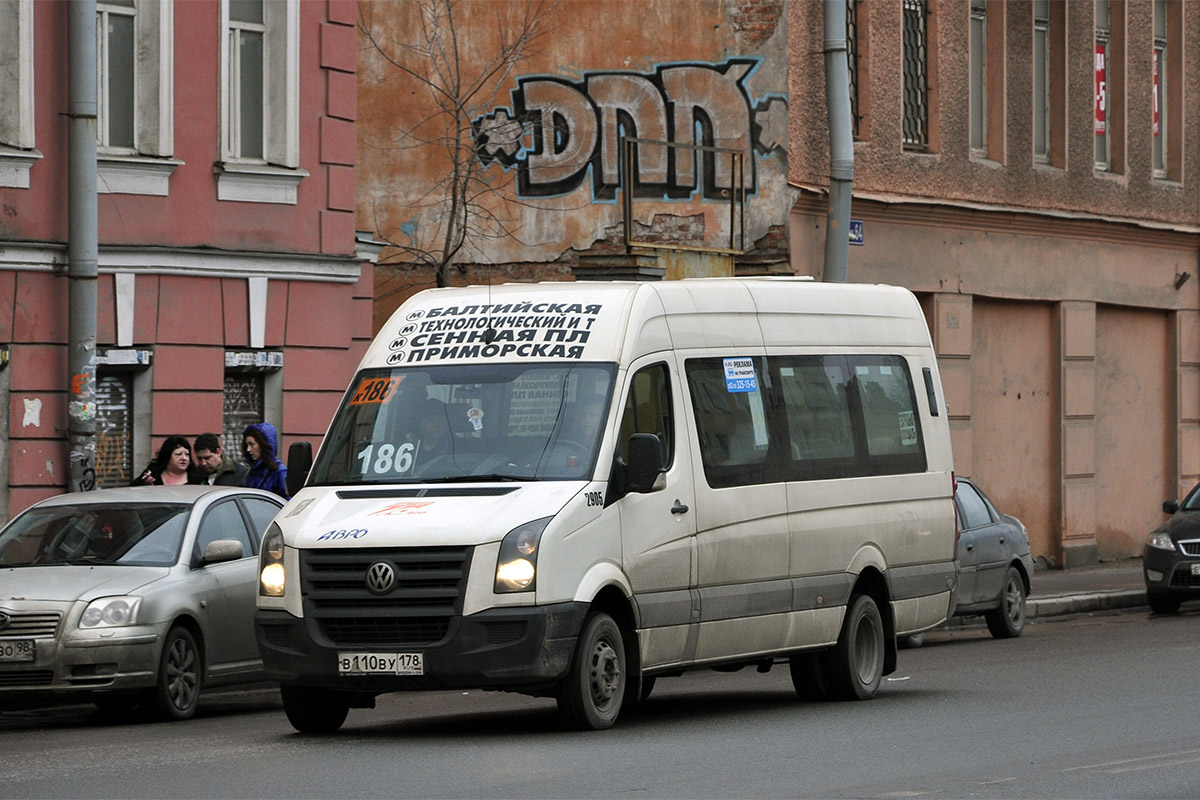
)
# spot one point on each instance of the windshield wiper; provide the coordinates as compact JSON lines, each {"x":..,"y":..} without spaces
{"x":493,"y":476}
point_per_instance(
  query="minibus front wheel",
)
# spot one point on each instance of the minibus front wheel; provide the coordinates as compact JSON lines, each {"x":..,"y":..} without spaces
{"x":591,"y":695}
{"x":314,"y":710}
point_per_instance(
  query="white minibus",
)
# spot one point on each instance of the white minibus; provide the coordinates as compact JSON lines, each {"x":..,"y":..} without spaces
{"x":573,"y":490}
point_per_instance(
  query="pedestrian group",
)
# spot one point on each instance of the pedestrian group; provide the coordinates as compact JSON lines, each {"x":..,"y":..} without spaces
{"x":204,"y":462}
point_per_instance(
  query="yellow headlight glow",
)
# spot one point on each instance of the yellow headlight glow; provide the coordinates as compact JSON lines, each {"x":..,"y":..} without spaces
{"x":272,"y":580}
{"x":515,"y":574}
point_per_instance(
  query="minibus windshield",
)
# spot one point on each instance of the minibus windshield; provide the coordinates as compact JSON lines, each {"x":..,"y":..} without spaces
{"x":467,"y":422}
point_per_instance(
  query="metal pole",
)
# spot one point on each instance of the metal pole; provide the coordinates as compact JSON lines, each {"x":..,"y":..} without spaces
{"x":82,"y":245}
{"x":841,"y":142}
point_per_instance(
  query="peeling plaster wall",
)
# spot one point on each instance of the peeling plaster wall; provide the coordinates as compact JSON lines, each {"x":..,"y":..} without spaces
{"x":547,"y":133}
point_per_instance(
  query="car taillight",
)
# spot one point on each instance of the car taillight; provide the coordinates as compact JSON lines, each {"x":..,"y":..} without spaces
{"x":957,"y":527}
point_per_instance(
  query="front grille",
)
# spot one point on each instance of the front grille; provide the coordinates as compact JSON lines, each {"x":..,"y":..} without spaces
{"x":31,"y":626}
{"x":1190,"y":546}
{"x":26,"y":677}
{"x":276,"y":635}
{"x":430,"y":582}
{"x":502,"y":632}
{"x":1182,"y":578}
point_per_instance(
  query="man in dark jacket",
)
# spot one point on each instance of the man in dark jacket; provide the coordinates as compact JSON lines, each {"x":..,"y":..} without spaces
{"x":218,"y":469}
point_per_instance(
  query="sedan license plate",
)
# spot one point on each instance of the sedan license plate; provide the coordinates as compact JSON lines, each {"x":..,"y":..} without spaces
{"x":1196,"y":569}
{"x":381,"y":664}
{"x":16,"y":650}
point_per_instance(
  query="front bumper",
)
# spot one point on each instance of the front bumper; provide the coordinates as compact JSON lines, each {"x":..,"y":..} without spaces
{"x":1169,"y":572}
{"x":519,"y":648}
{"x":124,"y":660}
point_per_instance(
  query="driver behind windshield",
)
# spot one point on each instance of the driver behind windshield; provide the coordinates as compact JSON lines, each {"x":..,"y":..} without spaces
{"x":433,"y":432}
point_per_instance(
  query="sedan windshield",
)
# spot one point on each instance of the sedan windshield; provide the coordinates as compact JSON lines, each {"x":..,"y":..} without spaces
{"x":468,"y":422}
{"x":99,"y":533}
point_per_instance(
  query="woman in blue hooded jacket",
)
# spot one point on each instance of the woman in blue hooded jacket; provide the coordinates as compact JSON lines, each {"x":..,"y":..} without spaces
{"x":259,"y":448}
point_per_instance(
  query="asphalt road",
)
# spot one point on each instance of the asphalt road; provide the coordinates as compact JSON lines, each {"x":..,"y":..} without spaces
{"x":1093,"y":706}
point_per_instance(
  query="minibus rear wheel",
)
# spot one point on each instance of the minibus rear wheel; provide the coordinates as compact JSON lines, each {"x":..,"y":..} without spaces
{"x":855,"y":666}
{"x":809,"y":675}
{"x":591,"y":695}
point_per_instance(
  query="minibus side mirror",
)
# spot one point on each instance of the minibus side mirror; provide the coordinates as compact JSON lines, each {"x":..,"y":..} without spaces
{"x":299,"y":462}
{"x":645,"y":462}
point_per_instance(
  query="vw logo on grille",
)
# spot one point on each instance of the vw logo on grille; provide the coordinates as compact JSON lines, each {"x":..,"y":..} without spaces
{"x":381,"y":577}
{"x":5,"y":619}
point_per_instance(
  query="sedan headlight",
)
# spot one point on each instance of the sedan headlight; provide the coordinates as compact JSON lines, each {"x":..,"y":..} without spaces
{"x":110,"y":612}
{"x":516,"y":567}
{"x":271,"y":578}
{"x":1161,"y":540}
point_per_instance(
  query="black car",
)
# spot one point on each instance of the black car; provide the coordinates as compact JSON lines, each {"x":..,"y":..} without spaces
{"x":1171,"y":557}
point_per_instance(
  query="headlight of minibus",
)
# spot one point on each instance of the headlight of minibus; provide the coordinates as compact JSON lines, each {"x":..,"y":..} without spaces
{"x":271,"y":580}
{"x":110,"y":612}
{"x":516,"y":567}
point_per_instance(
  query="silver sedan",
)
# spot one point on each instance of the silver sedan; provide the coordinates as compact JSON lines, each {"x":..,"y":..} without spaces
{"x":132,"y":596}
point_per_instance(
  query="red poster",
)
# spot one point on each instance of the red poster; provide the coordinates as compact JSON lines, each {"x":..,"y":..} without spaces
{"x":1101,"y":88}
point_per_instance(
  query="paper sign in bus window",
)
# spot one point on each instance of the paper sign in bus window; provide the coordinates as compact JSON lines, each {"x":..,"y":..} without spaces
{"x":739,"y":375}
{"x":373,"y":391}
{"x":908,"y":429}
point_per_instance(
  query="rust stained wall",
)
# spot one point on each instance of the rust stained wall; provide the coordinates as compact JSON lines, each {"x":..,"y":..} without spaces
{"x":657,"y":69}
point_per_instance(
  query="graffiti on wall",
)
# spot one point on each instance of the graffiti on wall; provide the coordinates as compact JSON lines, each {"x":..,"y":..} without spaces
{"x":559,"y":133}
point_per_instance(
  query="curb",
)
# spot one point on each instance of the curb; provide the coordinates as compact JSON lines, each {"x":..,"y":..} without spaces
{"x":1082,"y":603}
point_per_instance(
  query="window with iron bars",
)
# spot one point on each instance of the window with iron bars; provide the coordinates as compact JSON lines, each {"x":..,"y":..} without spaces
{"x":852,"y":62}
{"x":916,"y":76}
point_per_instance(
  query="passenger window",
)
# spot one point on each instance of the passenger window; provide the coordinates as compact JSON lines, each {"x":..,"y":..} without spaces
{"x":891,"y":424}
{"x":648,"y":410}
{"x":261,"y":513}
{"x":222,"y":521}
{"x":972,"y":508}
{"x":820,"y":433}
{"x":733,"y":420}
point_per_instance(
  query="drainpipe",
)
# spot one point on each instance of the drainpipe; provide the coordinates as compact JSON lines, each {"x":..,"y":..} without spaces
{"x":841,"y":142}
{"x":82,"y":246}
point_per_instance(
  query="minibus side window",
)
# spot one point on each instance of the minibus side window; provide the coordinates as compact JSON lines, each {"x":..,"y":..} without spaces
{"x":820,"y":430}
{"x":648,"y":410}
{"x":891,"y":424}
{"x":733,"y":423}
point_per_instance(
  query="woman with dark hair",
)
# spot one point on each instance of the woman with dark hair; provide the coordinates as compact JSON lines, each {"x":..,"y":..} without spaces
{"x":172,"y":466}
{"x":259,"y":447}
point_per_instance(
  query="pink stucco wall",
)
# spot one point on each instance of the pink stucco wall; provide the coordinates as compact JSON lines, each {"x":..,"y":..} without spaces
{"x":37,"y":214}
{"x":188,"y":321}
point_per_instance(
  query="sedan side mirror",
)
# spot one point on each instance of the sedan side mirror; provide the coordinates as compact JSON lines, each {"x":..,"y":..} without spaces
{"x":223,"y":550}
{"x":1170,"y":506}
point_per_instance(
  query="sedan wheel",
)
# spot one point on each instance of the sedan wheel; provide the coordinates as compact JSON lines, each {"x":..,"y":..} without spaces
{"x":177,"y":693}
{"x":1161,"y":603}
{"x":1007,"y":621}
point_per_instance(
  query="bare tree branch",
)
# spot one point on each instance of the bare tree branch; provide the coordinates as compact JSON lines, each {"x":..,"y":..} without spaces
{"x":469,"y":205}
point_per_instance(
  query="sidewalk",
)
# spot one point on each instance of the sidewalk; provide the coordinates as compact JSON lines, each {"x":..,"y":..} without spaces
{"x":1114,"y":584}
{"x":1055,"y":592}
